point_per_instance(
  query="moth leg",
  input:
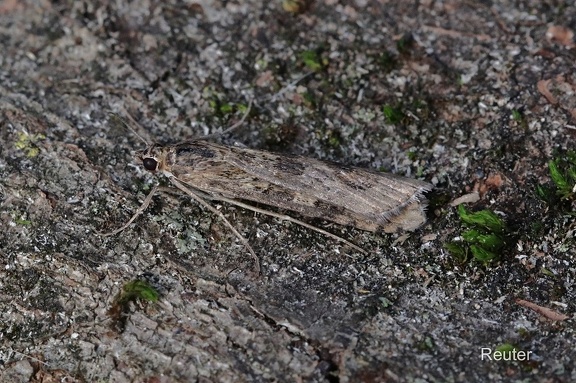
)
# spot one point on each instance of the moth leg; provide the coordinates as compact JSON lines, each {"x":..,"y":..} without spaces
{"x":198,"y":199}
{"x":140,"y":210}
{"x":293,"y":220}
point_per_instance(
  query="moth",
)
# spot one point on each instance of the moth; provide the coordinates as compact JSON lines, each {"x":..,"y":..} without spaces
{"x":350,"y":196}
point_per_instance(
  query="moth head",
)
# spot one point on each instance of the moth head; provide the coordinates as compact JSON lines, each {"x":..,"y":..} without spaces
{"x":152,"y":158}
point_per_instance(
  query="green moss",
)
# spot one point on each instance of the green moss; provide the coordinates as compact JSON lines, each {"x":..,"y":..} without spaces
{"x":426,"y":344}
{"x":506,"y":348}
{"x":220,"y":108}
{"x":484,"y":238}
{"x":394,"y":115}
{"x":23,"y":222}
{"x":387,"y":61}
{"x":458,"y":250}
{"x":545,"y":193}
{"x":547,"y":272}
{"x":313,"y":60}
{"x":27,"y":143}
{"x":385,"y":302}
{"x":136,"y":290}
{"x":481,"y":254}
{"x":242,"y":108}
{"x":413,"y":156}
{"x":519,"y":118}
{"x":334,"y":140}
{"x":485,"y":219}
{"x":20,"y":218}
{"x":405,"y":44}
{"x":563,"y":173}
{"x":560,"y":194}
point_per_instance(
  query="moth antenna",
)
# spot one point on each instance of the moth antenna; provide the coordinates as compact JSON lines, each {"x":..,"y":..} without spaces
{"x":291,"y":85}
{"x":233,"y":127}
{"x":132,"y":130}
{"x":239,"y":123}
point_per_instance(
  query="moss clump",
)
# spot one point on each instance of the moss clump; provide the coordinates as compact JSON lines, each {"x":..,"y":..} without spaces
{"x":483,"y":239}
{"x":136,"y":290}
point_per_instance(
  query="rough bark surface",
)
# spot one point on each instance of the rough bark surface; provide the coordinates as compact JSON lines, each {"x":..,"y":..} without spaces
{"x":484,"y":98}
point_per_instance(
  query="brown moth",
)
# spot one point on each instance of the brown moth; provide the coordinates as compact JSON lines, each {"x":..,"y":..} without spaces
{"x":368,"y":200}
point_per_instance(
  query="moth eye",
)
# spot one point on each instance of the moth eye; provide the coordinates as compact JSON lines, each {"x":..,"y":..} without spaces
{"x":150,"y":164}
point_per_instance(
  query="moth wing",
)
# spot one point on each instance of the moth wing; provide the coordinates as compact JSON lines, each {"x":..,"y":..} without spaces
{"x":345,"y":195}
